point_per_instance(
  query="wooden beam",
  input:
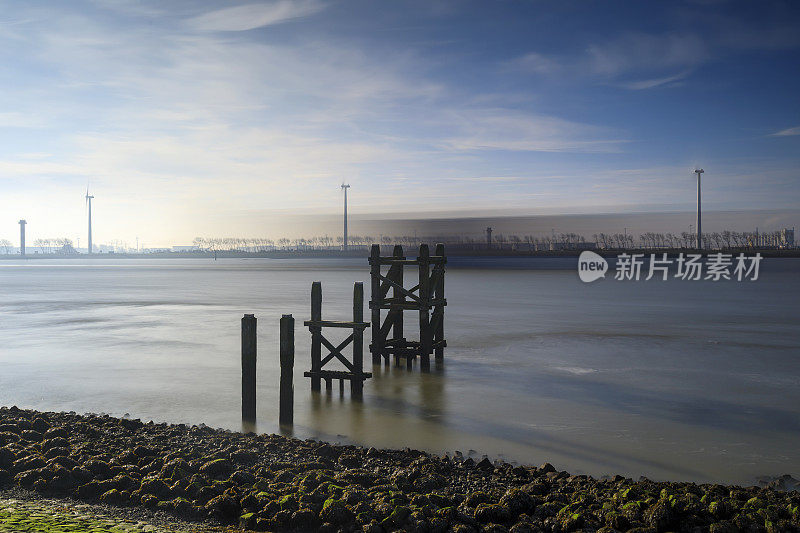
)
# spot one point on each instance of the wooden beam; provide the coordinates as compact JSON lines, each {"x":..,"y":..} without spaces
{"x":336,"y":324}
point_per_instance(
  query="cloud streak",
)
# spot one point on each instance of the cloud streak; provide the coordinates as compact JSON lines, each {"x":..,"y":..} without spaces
{"x":788,"y":132}
{"x":252,"y":16}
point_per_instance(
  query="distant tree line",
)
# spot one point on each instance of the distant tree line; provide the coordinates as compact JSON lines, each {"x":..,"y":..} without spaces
{"x":556,"y":241}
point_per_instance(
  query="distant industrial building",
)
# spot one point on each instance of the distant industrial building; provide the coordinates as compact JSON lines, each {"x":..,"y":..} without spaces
{"x":783,"y":238}
{"x":786,"y":237}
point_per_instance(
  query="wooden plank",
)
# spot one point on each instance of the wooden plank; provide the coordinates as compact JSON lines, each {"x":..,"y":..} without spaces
{"x":400,"y":287}
{"x":391,"y":274}
{"x":336,"y":324}
{"x":337,"y":374}
{"x":337,"y":354}
{"x":334,"y":351}
{"x":411,"y":262}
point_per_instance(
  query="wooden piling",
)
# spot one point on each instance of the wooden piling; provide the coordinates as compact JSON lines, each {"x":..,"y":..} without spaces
{"x":438,"y":296}
{"x":249,"y":368}
{"x":425,"y":337}
{"x":316,"y":335}
{"x":286,"y":411}
{"x":400,"y":299}
{"x":357,"y":385}
{"x":376,"y":347}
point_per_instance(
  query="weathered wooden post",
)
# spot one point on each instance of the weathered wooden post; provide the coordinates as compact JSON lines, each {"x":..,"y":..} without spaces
{"x":286,"y":411}
{"x":375,"y":271}
{"x":357,"y":385}
{"x":249,"y":368}
{"x":439,"y":297}
{"x":400,"y":299}
{"x":316,"y":335}
{"x":425,"y":337}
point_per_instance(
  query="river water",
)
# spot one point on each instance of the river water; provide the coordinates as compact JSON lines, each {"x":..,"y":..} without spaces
{"x":667,"y":379}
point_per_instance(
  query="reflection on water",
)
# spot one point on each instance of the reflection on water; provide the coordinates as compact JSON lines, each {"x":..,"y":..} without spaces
{"x":664,"y":379}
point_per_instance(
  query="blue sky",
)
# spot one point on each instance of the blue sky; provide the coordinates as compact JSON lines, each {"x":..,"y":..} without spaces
{"x":190,"y":118}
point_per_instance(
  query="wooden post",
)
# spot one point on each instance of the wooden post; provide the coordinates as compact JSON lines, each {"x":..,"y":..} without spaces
{"x":357,"y":384}
{"x":397,"y":328}
{"x":425,"y":336}
{"x":316,"y":335}
{"x":249,"y":368}
{"x":375,"y":303}
{"x":439,"y":296}
{"x":286,"y":411}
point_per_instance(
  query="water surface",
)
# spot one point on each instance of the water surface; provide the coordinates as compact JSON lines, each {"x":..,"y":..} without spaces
{"x":672,"y":380}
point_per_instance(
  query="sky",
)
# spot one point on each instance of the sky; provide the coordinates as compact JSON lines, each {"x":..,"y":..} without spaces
{"x":210,"y":118}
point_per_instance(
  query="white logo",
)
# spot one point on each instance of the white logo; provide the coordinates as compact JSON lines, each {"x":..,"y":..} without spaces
{"x":591,"y":266}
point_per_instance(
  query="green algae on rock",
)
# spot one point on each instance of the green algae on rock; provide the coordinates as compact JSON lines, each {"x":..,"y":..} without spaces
{"x":274,"y":483}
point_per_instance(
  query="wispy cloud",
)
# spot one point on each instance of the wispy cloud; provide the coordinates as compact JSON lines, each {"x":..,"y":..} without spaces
{"x":640,"y":51}
{"x":634,"y":61}
{"x":788,"y":132}
{"x":251,"y":16}
{"x":489,"y":179}
{"x":511,"y":130}
{"x":654,"y":82}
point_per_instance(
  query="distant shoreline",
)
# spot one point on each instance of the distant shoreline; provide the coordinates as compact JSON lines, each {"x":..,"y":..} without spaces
{"x":364,"y":254}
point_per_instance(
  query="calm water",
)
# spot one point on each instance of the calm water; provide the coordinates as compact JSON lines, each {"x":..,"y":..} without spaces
{"x":673,"y":380}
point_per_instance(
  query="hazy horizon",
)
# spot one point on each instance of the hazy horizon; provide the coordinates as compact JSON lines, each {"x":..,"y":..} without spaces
{"x":461,"y":224}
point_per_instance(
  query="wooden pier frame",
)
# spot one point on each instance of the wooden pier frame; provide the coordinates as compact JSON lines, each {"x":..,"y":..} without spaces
{"x":427,"y":298}
{"x":355,"y":368}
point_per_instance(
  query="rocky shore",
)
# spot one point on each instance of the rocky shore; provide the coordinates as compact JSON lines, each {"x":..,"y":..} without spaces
{"x":273,"y":483}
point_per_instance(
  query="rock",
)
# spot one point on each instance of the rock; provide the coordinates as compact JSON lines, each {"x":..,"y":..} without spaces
{"x":304,"y":520}
{"x":486,"y":513}
{"x":27,"y":478}
{"x":223,"y":508}
{"x":56,"y":442}
{"x":40,"y":424}
{"x":157,"y":488}
{"x":485,"y":464}
{"x":31,"y":435}
{"x":723,"y":527}
{"x":349,"y":461}
{"x":336,"y":512}
{"x":429,"y":482}
{"x":217,"y":468}
{"x":52,"y":433}
{"x":659,"y":516}
{"x":98,"y":468}
{"x":476,"y":498}
{"x":7,"y":457}
{"x":517,"y":502}
{"x":111,"y":497}
{"x":547,"y":468}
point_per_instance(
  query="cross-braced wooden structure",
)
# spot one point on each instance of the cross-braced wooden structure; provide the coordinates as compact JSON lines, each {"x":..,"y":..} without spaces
{"x":355,"y":368}
{"x":427,"y":298}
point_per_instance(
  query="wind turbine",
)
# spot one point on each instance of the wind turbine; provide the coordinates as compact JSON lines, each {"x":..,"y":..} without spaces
{"x":699,"y":242}
{"x":344,"y":188}
{"x":89,"y":205}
